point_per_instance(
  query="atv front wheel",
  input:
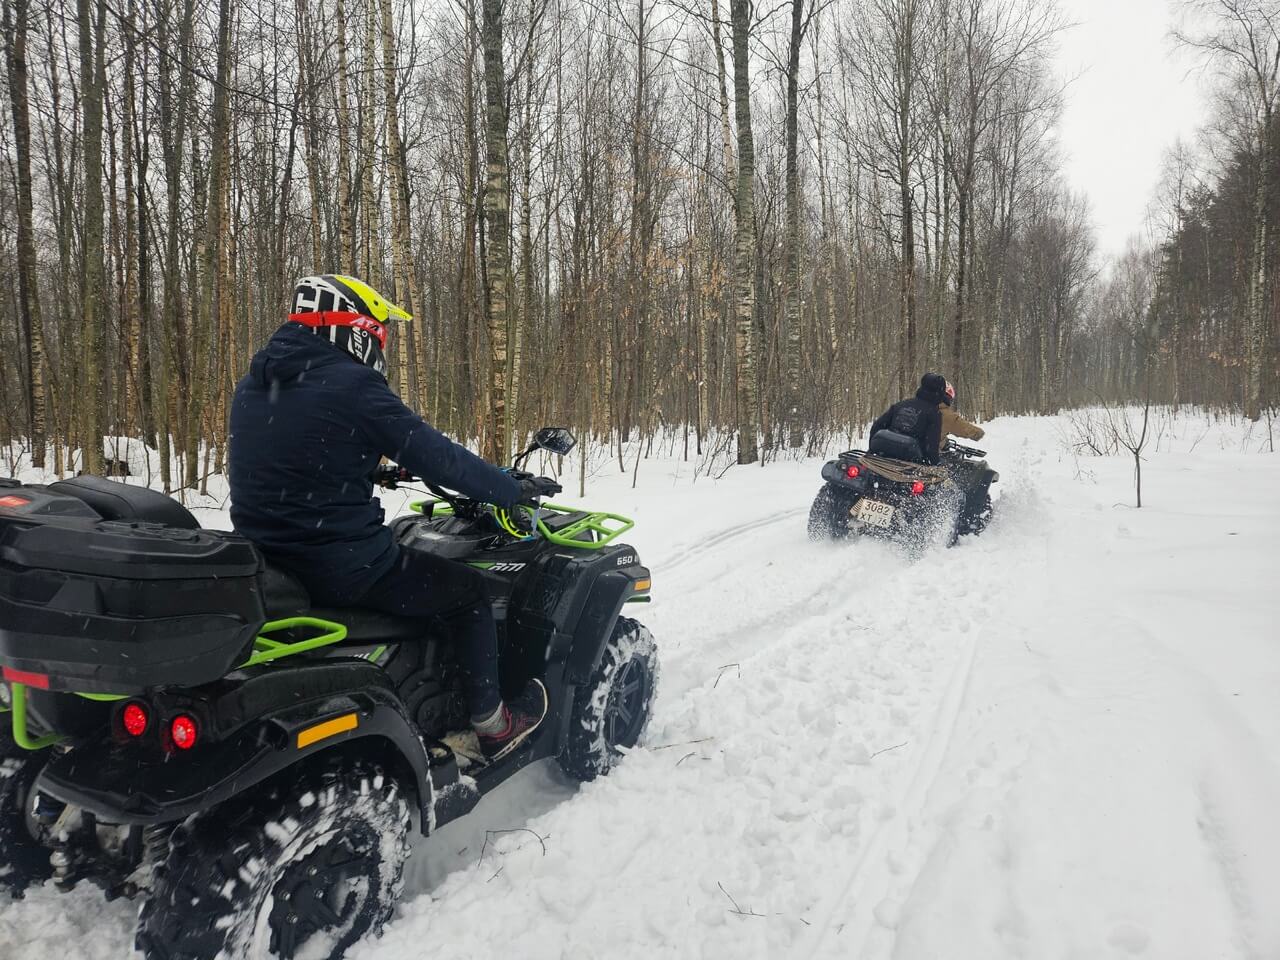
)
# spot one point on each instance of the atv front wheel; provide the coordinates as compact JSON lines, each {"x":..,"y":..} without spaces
{"x":305,"y":870}
{"x":23,"y":861}
{"x":829,"y":515}
{"x":611,"y":711}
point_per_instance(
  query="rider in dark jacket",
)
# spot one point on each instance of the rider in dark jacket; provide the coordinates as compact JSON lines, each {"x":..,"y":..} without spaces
{"x":309,"y":423}
{"x":917,"y":418}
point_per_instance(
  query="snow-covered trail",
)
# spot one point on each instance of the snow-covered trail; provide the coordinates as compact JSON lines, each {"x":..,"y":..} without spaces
{"x":1059,"y":740}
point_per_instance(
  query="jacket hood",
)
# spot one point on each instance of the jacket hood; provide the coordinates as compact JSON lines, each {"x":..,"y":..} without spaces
{"x":291,"y":352}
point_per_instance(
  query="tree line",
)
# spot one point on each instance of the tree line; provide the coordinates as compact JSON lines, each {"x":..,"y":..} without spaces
{"x":743,"y":221}
{"x":1191,"y":312}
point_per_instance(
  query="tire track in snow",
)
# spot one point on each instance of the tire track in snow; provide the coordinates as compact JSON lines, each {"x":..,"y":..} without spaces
{"x":867,"y":881}
{"x":695,"y":551}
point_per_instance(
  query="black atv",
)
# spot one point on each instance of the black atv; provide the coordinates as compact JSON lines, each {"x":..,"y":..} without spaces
{"x":188,"y":730}
{"x":879,"y":496}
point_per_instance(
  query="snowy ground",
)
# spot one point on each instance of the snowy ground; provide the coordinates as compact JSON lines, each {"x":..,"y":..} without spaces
{"x":1061,"y":740}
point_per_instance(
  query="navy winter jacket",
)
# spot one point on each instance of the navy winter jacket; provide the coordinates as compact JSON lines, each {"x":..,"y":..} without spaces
{"x":308,"y":425}
{"x":918,"y":417}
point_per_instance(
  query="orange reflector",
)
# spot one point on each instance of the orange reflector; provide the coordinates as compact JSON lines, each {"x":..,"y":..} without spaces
{"x":643,"y":584}
{"x":330,"y":728}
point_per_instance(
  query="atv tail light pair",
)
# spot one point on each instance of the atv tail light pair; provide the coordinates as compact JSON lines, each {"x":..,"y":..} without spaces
{"x":182,"y":728}
{"x":917,"y":488}
{"x":852,"y":471}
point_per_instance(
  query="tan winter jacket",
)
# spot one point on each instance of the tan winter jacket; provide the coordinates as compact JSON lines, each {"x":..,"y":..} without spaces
{"x":955,"y":424}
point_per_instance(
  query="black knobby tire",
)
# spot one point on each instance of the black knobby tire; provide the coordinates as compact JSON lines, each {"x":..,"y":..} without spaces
{"x":258,"y":877}
{"x":24,"y":862}
{"x":829,"y":515}
{"x":610,"y":712}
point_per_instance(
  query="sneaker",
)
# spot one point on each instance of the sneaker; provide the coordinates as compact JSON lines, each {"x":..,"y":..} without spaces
{"x":523,"y":715}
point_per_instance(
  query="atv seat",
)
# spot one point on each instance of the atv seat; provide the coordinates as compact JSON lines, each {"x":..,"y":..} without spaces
{"x":113,"y":500}
{"x":284,"y":597}
{"x":373,"y":626}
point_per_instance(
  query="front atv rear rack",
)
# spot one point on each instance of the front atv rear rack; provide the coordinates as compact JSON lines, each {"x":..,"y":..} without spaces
{"x":265,"y":650}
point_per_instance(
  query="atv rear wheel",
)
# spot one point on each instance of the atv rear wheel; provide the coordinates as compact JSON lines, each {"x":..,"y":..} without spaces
{"x":829,"y":515}
{"x":24,"y":862}
{"x":611,"y":711}
{"x":314,"y":866}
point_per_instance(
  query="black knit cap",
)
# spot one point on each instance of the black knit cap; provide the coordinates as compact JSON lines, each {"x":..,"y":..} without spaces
{"x":933,"y":387}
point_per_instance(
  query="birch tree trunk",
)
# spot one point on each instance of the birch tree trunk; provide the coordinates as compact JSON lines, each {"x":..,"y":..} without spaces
{"x":15,"y":31}
{"x":497,"y":215}
{"x":405,"y":280}
{"x":91,"y":23}
{"x":795,"y":422}
{"x":744,"y":298}
{"x":346,"y":216}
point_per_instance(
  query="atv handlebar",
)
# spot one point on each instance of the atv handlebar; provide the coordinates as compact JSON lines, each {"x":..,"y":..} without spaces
{"x":963,"y":449}
{"x":389,"y":476}
{"x":532,"y":489}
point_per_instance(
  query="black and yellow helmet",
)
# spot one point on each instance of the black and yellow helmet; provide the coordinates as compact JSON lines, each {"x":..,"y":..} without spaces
{"x":349,"y":312}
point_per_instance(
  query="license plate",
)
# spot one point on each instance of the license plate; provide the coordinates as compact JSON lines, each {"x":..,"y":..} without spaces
{"x":875,"y":513}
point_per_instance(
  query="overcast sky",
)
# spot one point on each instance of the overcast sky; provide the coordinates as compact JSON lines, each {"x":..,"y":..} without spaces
{"x":1132,"y":98}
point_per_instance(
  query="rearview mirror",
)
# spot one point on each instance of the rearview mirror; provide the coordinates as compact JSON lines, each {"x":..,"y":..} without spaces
{"x":555,"y":439}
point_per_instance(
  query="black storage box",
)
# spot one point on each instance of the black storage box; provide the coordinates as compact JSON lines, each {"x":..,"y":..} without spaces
{"x":101,"y":606}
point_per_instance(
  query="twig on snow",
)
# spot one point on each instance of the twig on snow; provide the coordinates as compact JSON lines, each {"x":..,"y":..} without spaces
{"x":489,"y":834}
{"x":691,"y":753}
{"x":722,"y":670}
{"x":682,"y":743}
{"x":887,"y":749}
{"x":737,"y":909}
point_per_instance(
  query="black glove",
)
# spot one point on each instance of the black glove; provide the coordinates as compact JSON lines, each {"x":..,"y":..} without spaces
{"x":533,"y":489}
{"x":388,"y":475}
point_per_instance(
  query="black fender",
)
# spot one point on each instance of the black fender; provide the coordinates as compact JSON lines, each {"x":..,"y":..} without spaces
{"x":254,"y":725}
{"x":604,"y":603}
{"x":833,"y":471}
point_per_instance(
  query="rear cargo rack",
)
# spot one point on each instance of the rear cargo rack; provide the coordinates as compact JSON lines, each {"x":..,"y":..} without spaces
{"x":265,"y":650}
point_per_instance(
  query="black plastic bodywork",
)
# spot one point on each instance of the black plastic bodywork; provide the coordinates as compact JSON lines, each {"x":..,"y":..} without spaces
{"x":159,"y":604}
{"x":167,"y":613}
{"x":249,"y":724}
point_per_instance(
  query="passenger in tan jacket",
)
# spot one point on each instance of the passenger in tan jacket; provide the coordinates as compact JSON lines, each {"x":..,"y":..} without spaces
{"x":953,"y":423}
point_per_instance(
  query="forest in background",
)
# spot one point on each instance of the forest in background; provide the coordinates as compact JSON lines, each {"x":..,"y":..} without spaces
{"x":753,"y":222}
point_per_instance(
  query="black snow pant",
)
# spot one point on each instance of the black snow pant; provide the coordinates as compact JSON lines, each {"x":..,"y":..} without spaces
{"x":427,"y":586}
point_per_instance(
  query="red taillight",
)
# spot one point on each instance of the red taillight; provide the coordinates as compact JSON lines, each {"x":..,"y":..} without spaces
{"x":917,"y":488}
{"x":135,"y":719}
{"x":852,"y":471}
{"x":12,"y":501}
{"x":183,"y":730}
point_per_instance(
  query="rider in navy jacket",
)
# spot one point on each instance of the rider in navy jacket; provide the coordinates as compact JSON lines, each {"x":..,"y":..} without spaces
{"x":308,"y":427}
{"x":309,"y":424}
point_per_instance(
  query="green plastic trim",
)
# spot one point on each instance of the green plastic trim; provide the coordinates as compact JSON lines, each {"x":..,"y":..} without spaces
{"x":103,"y":697}
{"x":21,"y":736}
{"x":603,"y":528}
{"x":441,"y":508}
{"x":265,"y":649}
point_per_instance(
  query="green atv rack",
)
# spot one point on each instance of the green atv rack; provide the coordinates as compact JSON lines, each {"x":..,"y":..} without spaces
{"x":596,"y":529}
